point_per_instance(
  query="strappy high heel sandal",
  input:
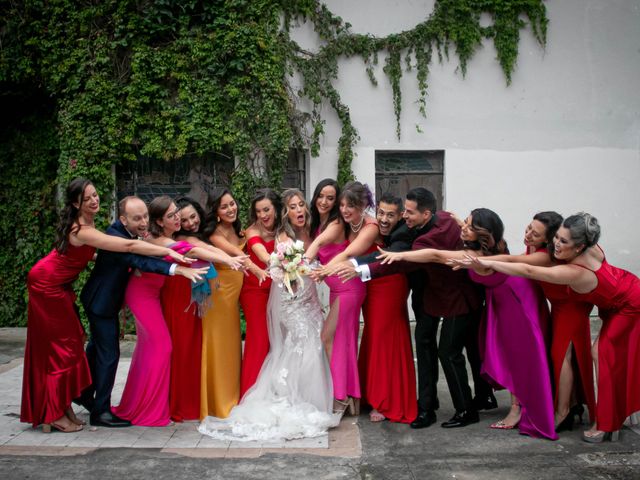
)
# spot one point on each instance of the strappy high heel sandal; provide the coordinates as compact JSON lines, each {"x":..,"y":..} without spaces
{"x":48,"y":427}
{"x":342,"y":406}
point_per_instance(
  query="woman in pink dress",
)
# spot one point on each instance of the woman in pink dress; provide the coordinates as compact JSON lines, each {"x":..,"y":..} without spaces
{"x":145,"y":399}
{"x":254,"y":296}
{"x":55,"y":365}
{"x":353,"y":235}
{"x":616,"y":292}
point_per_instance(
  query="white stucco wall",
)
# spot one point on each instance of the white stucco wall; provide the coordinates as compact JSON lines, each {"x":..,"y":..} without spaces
{"x":564,"y":136}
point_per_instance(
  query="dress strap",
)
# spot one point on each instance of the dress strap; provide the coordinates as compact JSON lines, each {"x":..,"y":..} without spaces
{"x":582,"y":266}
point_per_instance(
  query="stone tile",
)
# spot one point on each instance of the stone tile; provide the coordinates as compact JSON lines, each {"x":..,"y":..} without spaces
{"x":184,"y":439}
{"x":29,"y":437}
{"x":208,"y":442}
{"x":154,"y":437}
{"x":245,"y":445}
{"x":316,"y":442}
{"x":123,"y":437}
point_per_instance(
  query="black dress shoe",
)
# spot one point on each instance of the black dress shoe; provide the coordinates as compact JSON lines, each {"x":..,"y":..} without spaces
{"x":108,"y":419}
{"x":424,"y":419}
{"x":488,"y":402}
{"x":462,"y":419}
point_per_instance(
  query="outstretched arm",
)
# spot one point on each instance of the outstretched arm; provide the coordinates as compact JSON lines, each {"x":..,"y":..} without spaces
{"x":571,"y":275}
{"x":95,"y":238}
{"x":360,"y":245}
{"x":424,"y":255}
{"x":540,"y":259}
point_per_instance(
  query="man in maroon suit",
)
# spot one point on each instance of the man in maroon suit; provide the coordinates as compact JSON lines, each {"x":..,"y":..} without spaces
{"x":449,"y":296}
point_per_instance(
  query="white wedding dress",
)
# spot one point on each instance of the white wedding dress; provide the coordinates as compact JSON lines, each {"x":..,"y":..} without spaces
{"x":293,"y":395}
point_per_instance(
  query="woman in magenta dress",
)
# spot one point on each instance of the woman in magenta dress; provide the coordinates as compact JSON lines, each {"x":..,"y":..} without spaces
{"x":512,"y":339}
{"x":55,"y":366}
{"x":145,"y":399}
{"x":352,"y":236}
{"x":616,"y":293}
{"x":254,"y":296}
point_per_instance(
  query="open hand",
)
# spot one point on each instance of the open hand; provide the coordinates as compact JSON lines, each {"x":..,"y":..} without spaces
{"x":389,"y":257}
{"x":193,"y":274}
{"x":181,"y":258}
{"x":237,"y":262}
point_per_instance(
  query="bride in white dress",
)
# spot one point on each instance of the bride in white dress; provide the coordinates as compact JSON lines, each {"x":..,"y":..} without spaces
{"x":293,"y":395}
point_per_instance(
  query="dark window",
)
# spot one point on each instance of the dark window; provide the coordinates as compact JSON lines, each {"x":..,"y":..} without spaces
{"x":398,"y":171}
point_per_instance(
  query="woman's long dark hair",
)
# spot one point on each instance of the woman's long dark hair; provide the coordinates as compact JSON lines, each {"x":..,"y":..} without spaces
{"x":552,"y":221}
{"x":184,"y":202}
{"x":315,"y":214}
{"x":490,"y":230}
{"x":273,"y":197}
{"x":69,"y":214}
{"x":211,"y":219}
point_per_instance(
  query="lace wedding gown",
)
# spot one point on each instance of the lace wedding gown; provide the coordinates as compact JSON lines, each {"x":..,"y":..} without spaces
{"x":293,"y":396}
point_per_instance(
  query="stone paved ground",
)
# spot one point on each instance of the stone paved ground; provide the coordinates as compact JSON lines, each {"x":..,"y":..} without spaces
{"x":357,"y":449}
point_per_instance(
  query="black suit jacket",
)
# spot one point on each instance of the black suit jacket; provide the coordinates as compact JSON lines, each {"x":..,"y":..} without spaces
{"x":103,"y":294}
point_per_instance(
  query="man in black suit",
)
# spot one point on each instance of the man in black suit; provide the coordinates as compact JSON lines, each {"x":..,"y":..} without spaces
{"x":103,"y":297}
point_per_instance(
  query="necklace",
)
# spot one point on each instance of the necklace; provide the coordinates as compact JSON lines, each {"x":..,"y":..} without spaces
{"x":357,"y":228}
{"x":269,"y":233}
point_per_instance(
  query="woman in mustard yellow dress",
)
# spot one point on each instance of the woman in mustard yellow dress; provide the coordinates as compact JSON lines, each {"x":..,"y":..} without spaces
{"x":221,"y":341}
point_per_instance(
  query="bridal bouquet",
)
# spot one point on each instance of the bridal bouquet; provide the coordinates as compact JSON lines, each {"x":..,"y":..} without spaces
{"x":287,"y":264}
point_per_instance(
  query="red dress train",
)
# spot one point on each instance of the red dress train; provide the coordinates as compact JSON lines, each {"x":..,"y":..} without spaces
{"x":385,"y":363}
{"x":55,"y":365}
{"x":254,"y":299}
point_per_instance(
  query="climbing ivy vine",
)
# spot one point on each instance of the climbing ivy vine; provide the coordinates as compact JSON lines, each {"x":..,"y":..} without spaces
{"x":116,"y":80}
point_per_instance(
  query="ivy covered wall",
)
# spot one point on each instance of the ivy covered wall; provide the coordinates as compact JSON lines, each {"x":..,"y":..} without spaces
{"x":92,"y":84}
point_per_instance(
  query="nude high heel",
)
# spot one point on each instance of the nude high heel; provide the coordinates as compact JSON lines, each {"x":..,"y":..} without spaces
{"x":602,"y":437}
{"x":342,"y":406}
{"x":47,"y":428}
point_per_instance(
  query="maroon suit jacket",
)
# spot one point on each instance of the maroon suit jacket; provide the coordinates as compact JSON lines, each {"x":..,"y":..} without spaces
{"x":446,"y":292}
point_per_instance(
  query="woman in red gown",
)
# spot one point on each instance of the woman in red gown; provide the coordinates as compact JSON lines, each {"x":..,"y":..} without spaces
{"x":616,"y":292}
{"x":265,"y":217}
{"x":55,"y":365}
